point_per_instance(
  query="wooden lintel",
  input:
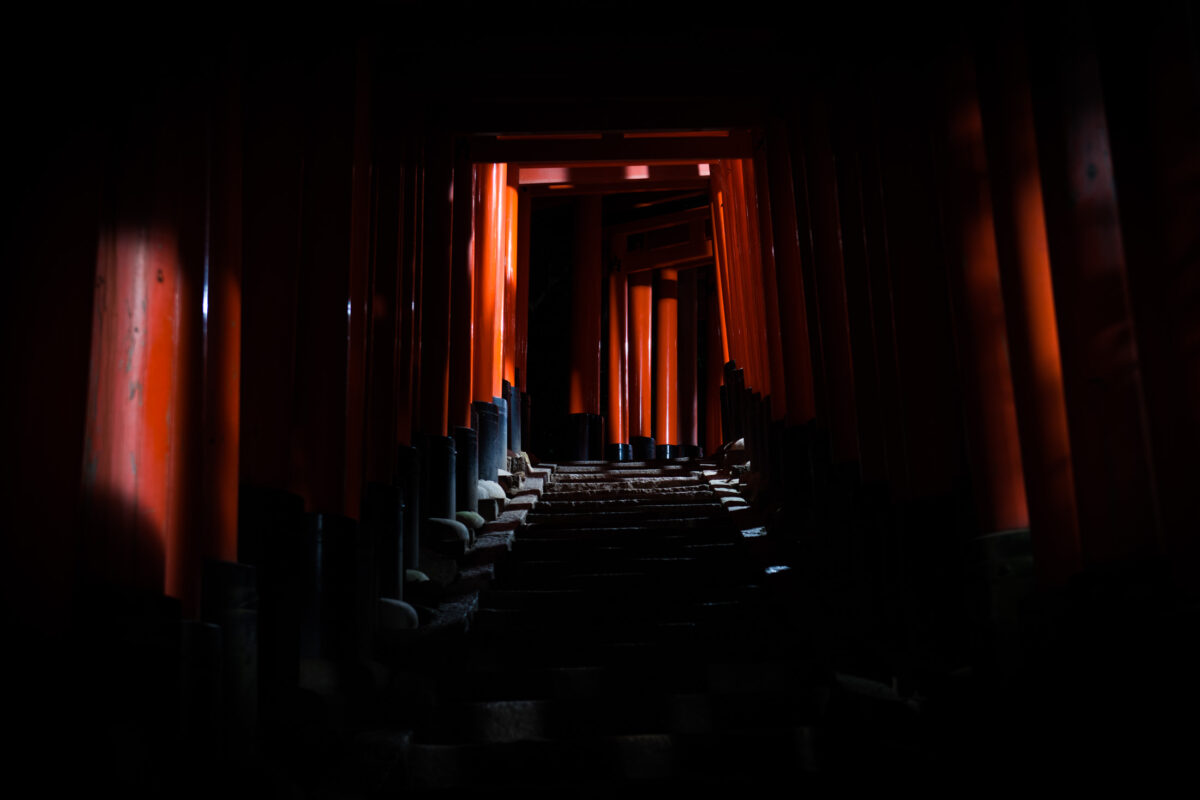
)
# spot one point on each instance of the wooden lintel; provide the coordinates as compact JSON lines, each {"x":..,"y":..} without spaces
{"x":611,"y":150}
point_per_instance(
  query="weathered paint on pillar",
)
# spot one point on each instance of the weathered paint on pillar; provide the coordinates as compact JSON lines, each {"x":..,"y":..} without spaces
{"x":587,"y":284}
{"x":666,"y":365}
{"x":131,"y":410}
{"x":641,"y":296}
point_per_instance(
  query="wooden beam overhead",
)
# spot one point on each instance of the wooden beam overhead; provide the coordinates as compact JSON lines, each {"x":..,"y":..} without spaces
{"x":611,"y":149}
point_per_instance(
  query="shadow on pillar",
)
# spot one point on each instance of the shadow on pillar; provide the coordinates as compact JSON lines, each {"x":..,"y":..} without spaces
{"x":512,"y":399}
{"x":383,"y":517}
{"x":408,"y":471}
{"x":643,"y":448}
{"x":466,"y":442}
{"x":618,"y":451}
{"x":583,"y":438}
{"x":490,"y":438}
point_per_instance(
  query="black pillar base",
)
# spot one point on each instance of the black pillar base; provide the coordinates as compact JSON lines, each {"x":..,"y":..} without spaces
{"x":643,"y":448}
{"x":667,"y":451}
{"x":490,"y":441}
{"x":691,"y":450}
{"x":618,"y":452}
{"x":466,"y":479}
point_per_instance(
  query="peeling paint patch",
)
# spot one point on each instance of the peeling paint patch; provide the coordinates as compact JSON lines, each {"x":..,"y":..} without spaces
{"x":135,"y":390}
{"x":133,"y":462}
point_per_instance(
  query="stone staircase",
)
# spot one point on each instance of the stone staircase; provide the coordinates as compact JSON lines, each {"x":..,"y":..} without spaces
{"x":627,"y":640}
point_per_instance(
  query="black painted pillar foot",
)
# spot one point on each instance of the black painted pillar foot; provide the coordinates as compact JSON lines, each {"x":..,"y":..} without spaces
{"x":618,"y":452}
{"x":643,"y":448}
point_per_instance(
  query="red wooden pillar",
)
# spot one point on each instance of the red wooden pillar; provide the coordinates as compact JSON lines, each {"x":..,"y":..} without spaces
{"x":720,"y":267}
{"x":410,"y":291}
{"x":221,"y":307}
{"x":1031,"y":320}
{"x":434,"y":365}
{"x":760,"y":192}
{"x":585,"y":305}
{"x":830,"y":286}
{"x":666,"y":363}
{"x":488,"y":274}
{"x":990,"y":412}
{"x":641,"y":295}
{"x":524,"y":225}
{"x":127,"y":456}
{"x":359,"y":306}
{"x":159,"y":479}
{"x":795,"y":347}
{"x":511,"y":236}
{"x":689,"y":389}
{"x":384,"y":390}
{"x":330,"y":305}
{"x":1106,"y":412}
{"x":273,"y":192}
{"x":849,"y":142}
{"x":929,"y":398}
{"x":618,"y":360}
{"x":713,"y":367}
{"x":1150,"y":91}
{"x":462,"y":288}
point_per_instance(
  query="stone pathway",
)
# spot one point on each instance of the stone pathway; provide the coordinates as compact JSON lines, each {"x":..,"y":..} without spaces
{"x":627,"y":640}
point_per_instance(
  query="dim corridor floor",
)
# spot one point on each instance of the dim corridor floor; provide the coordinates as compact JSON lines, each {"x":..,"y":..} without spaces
{"x":628,"y":640}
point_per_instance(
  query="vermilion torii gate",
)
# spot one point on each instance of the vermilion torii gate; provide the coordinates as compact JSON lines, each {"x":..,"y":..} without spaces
{"x":960,"y":281}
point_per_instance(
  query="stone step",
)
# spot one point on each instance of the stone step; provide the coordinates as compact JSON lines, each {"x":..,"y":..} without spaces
{"x":697,"y":527}
{"x":603,"y":763}
{"x":504,"y":720}
{"x":622,"y":515}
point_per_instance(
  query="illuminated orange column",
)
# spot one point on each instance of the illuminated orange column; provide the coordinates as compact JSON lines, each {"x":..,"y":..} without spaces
{"x":1029,"y":314}
{"x":129,"y":510}
{"x":585,"y":305}
{"x":666,"y":366}
{"x":617,"y":431}
{"x":993,"y":449}
{"x":160,"y":457}
{"x":489,"y":225}
{"x":641,"y":297}
{"x":511,"y":258}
